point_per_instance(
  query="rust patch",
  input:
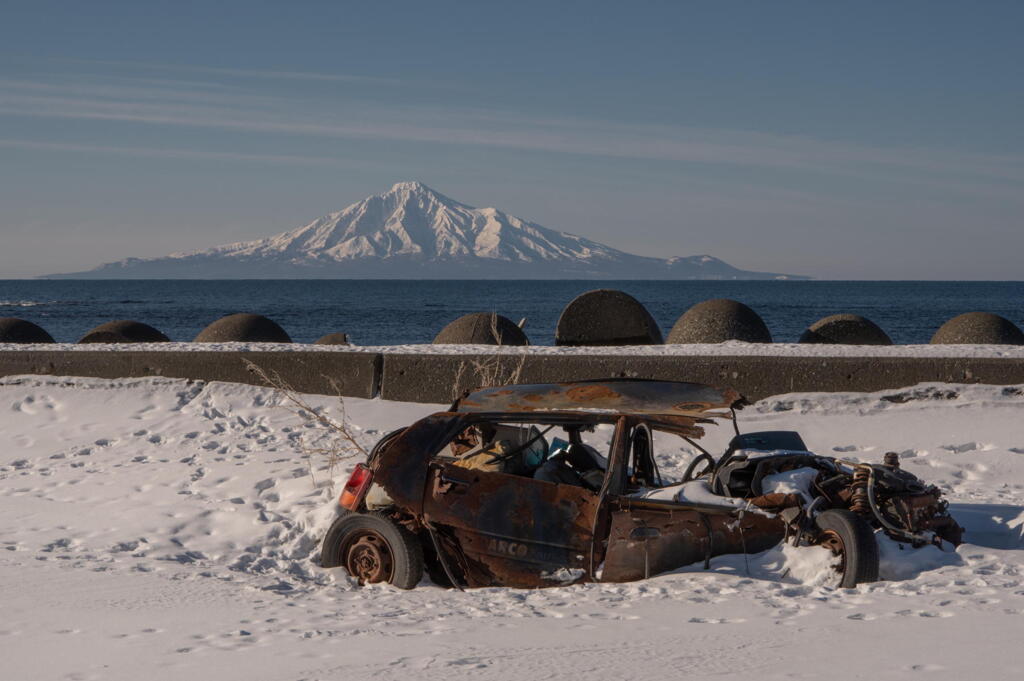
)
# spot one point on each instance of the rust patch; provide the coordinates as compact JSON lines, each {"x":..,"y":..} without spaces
{"x":691,"y":407}
{"x":646,"y":539}
{"x":776,"y":500}
{"x":401,"y":468}
{"x":589,"y":393}
{"x":620,"y":396}
{"x":511,"y":531}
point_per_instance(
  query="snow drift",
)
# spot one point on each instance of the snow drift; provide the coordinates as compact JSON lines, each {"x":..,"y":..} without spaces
{"x":173,"y":527}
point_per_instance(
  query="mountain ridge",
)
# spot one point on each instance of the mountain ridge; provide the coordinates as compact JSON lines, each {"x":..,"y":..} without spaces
{"x":413,"y":232}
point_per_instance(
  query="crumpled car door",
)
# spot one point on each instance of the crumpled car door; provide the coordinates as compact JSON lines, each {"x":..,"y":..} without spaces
{"x":647,"y":538}
{"x":512,"y":530}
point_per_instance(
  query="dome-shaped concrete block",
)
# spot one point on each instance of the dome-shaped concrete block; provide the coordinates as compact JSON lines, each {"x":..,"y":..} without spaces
{"x":243,"y":328}
{"x":124,"y":331}
{"x":717,"y":321}
{"x":482,"y":328}
{"x":845,"y":329}
{"x":332,"y":339}
{"x":606,"y":317}
{"x":14,"y":330}
{"x":979,"y":327}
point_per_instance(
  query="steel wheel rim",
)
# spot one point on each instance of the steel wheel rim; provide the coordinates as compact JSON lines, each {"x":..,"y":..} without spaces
{"x":833,"y":543}
{"x":368,"y":558}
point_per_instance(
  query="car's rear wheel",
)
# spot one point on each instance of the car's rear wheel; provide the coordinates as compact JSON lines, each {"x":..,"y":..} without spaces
{"x":851,"y":541}
{"x":373,"y":549}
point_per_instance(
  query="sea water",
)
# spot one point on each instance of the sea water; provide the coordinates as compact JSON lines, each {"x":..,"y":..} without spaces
{"x":377,"y":312}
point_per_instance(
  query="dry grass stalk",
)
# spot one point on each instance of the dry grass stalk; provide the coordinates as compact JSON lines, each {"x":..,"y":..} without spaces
{"x":490,"y":371}
{"x":342,"y":441}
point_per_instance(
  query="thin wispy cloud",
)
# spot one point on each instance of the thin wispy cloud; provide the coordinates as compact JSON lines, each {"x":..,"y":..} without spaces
{"x":156,"y":152}
{"x":181,"y":106}
{"x":272,"y":74}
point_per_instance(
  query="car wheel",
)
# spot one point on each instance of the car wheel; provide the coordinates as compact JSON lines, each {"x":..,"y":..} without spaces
{"x":852,"y":544}
{"x":373,"y":549}
{"x":329,"y":550}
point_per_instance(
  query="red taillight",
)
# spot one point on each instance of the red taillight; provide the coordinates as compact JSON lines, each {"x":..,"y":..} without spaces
{"x":356,"y":487}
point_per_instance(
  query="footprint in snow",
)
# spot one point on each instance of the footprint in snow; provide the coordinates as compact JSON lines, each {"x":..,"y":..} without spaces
{"x":31,"y":406}
{"x":63,"y":544}
{"x":715,"y":620}
{"x":861,"y":617}
{"x":968,"y":447}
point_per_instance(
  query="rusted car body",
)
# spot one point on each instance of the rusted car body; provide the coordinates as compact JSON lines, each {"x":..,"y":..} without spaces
{"x":492,"y":528}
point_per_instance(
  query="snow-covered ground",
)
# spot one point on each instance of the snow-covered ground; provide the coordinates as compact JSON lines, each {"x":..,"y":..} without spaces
{"x":166,"y":529}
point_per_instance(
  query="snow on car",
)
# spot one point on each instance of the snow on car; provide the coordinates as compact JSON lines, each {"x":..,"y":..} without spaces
{"x":502,"y":490}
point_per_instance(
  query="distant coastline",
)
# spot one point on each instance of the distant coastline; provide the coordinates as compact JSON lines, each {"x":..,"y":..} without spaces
{"x":410,"y":274}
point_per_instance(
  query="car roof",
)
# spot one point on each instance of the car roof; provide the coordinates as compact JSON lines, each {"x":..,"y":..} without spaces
{"x":615,"y":396}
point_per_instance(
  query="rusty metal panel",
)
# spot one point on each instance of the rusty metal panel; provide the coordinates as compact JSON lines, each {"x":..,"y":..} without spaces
{"x":745,"y":532}
{"x":612,"y":396}
{"x":776,"y":501}
{"x":645,"y":541}
{"x":401,"y":468}
{"x":513,"y":531}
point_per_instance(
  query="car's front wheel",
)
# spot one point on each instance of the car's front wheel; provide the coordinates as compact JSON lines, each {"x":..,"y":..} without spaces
{"x":852,"y":544}
{"x":373,"y":548}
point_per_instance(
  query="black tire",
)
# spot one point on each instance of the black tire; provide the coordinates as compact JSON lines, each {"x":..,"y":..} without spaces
{"x":329,"y":548}
{"x":373,"y":548}
{"x":852,"y":541}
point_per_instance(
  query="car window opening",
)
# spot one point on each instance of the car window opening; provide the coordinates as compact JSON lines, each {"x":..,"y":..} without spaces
{"x":548,"y":452}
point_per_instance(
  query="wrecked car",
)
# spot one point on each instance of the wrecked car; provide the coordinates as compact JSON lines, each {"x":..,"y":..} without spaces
{"x":503,"y":489}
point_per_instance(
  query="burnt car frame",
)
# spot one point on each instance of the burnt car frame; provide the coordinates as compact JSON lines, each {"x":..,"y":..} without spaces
{"x":415,"y":505}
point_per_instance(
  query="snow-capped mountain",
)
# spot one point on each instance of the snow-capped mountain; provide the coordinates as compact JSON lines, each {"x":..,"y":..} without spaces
{"x":412,"y":231}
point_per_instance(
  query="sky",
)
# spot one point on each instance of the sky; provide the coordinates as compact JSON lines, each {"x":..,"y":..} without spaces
{"x":859,"y":140}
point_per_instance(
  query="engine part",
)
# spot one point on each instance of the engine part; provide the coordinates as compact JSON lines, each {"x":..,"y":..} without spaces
{"x":859,"y":502}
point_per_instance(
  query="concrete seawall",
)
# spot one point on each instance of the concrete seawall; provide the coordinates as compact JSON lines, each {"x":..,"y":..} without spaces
{"x":431,"y":378}
{"x":437,"y":378}
{"x":353,"y":374}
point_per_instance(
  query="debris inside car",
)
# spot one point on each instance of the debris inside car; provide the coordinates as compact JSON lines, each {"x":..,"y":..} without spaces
{"x":502,"y":490}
